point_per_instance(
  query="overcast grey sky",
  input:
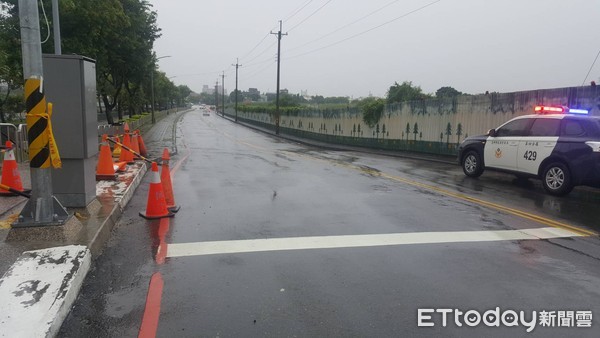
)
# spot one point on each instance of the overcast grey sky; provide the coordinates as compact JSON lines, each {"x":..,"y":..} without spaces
{"x":471,"y":45}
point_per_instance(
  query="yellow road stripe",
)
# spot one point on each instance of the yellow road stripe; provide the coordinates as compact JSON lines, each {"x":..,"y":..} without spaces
{"x":491,"y":205}
{"x":496,"y":206}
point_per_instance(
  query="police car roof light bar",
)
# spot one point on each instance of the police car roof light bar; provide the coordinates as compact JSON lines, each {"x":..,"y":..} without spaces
{"x":549,"y":109}
{"x":578,"y":111}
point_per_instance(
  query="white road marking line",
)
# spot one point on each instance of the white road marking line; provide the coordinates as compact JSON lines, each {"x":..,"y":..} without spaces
{"x":356,"y":241}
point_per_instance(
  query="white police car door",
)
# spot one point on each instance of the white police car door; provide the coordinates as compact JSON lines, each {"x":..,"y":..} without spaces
{"x":539,"y":144}
{"x":501,"y":150}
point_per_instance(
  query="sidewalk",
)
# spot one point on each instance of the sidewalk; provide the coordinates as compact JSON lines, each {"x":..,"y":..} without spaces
{"x":38,"y":287}
{"x":43,"y":268}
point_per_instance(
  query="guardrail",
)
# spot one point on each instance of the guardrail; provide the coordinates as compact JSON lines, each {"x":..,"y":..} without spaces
{"x":17,"y":134}
{"x":117,"y":129}
{"x":22,"y":142}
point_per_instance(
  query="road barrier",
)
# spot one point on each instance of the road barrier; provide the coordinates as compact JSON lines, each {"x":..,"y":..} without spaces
{"x":165,"y":178}
{"x":157,"y":205}
{"x":11,"y":178}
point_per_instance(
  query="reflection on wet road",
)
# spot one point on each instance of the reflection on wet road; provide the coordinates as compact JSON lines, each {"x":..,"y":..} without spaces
{"x":279,"y":239}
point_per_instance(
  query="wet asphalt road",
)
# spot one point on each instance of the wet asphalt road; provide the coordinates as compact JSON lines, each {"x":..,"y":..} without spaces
{"x":233,"y":183}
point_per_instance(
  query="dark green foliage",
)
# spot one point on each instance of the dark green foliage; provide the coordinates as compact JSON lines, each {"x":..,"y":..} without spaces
{"x":405,"y":92}
{"x":445,"y":92}
{"x":118,"y":34}
{"x":372,"y":109}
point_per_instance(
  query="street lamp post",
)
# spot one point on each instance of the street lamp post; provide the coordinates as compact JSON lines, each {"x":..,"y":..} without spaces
{"x":152,"y":84}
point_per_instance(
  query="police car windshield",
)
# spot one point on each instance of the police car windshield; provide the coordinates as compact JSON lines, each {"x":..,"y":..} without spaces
{"x":514,"y":128}
{"x":545,"y":127}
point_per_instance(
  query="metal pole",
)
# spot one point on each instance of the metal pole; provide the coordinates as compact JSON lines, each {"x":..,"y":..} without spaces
{"x":42,"y":208}
{"x":152,"y":90}
{"x":217,"y":97}
{"x":56,"y":24}
{"x":277,"y":115}
{"x":237,"y":61}
{"x":152,"y":83}
{"x":223,"y":91}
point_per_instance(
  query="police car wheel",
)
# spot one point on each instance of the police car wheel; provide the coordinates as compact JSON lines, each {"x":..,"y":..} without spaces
{"x":556,"y":179}
{"x":471,"y":164}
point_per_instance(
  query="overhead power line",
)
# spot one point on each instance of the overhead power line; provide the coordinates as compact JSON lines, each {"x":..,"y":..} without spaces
{"x":591,"y":67}
{"x":308,"y":17}
{"x":261,"y":53}
{"x":366,"y":31}
{"x":346,"y":25}
{"x":292,"y":14}
{"x":260,"y":62}
{"x":258,"y":44}
{"x":297,"y":10}
{"x":260,"y":70}
{"x":198,"y":74}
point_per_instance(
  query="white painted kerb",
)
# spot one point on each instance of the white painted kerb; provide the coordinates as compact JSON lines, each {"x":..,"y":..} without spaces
{"x":38,"y":290}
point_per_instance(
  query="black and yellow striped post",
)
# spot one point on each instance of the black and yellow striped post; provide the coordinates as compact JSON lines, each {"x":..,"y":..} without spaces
{"x":42,"y":208}
{"x":37,"y":124}
{"x":42,"y":148}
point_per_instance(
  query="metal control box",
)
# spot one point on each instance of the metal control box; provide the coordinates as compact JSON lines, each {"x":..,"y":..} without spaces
{"x":70,"y":85}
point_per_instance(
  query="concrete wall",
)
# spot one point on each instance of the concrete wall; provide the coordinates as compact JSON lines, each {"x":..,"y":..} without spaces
{"x":434,"y":125}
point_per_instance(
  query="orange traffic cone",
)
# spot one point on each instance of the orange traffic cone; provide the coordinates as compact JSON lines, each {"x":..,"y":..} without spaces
{"x":142,"y":145}
{"x":126,"y":155}
{"x":117,"y":151}
{"x":135,"y":146}
{"x":156,"y":206}
{"x":120,"y":166}
{"x":10,"y":171}
{"x":165,"y":178}
{"x":105,"y":169}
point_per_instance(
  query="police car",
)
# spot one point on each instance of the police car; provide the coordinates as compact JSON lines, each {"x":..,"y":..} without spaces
{"x":561,"y":146}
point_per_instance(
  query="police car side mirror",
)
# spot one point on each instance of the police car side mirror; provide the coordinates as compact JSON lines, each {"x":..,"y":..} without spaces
{"x":491,"y":132}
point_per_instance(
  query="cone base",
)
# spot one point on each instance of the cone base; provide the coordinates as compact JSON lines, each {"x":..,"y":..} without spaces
{"x":106,"y":177}
{"x":174,"y":208}
{"x":8,"y":193}
{"x":146,"y":216}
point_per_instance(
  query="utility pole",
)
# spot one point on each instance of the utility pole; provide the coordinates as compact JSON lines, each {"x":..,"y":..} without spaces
{"x":278,"y":68}
{"x":217,"y":97}
{"x":152,"y":82}
{"x":236,"y":86}
{"x":223,"y":91}
{"x":56,"y":25}
{"x":42,"y":208}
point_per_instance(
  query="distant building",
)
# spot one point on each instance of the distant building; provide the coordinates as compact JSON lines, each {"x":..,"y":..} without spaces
{"x":253,"y":94}
{"x":271,"y":96}
{"x":208,"y":90}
